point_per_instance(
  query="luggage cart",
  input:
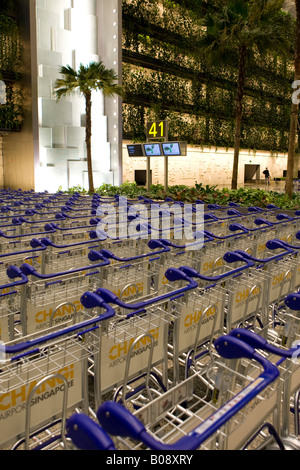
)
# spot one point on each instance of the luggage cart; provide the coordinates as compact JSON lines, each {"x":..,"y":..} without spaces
{"x":63,"y":219}
{"x":290,"y":339}
{"x":10,"y":243}
{"x":289,"y":371}
{"x":264,"y":230}
{"x":60,"y":291}
{"x":78,"y":231}
{"x":11,"y":303}
{"x":141,"y":237}
{"x":135,"y":275}
{"x":168,"y":424}
{"x":245,"y":301}
{"x":206,"y":254}
{"x":221,"y":224}
{"x":42,"y":379}
{"x":199,"y":313}
{"x":247,"y":295}
{"x":190,"y":254}
{"x":295,"y":247}
{"x":68,"y":235}
{"x":280,"y":271}
{"x":136,"y":347}
{"x":237,"y":233}
{"x":204,"y":314}
{"x":63,"y":256}
{"x":33,"y":256}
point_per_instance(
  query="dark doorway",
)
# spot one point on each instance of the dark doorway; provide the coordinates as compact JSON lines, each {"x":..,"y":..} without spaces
{"x":252,"y":173}
{"x":140,"y":177}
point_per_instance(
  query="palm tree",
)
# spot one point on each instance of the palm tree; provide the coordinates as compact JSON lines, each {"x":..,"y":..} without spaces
{"x":84,"y":81}
{"x":294,"y":110}
{"x":244,"y":29}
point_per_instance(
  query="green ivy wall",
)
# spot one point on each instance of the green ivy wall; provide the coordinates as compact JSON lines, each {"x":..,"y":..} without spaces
{"x":10,"y":62}
{"x":164,"y":77}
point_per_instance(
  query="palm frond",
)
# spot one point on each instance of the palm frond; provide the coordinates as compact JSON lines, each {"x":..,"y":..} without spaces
{"x":94,"y":76}
{"x":254,"y":24}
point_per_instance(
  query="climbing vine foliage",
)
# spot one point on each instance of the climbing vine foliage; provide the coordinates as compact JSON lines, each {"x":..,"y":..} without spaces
{"x":165,"y":77}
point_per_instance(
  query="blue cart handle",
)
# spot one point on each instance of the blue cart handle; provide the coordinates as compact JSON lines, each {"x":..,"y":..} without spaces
{"x":283,"y":244}
{"x":280,"y":217}
{"x":13,"y":272}
{"x":270,"y":207}
{"x":23,"y":220}
{"x":259,"y":222}
{"x":239,"y":227}
{"x":283,"y":217}
{"x":47,"y":242}
{"x":14,"y":221}
{"x":224,"y":237}
{"x":257,"y":342}
{"x":102,"y":235}
{"x":67,"y":216}
{"x":292,"y":301}
{"x":262,"y":221}
{"x":86,"y":434}
{"x":232,"y":213}
{"x":172,"y":274}
{"x":53,"y":226}
{"x":36,"y":245}
{"x":230,"y":257}
{"x":199,"y":235}
{"x":30,"y":270}
{"x":254,"y":209}
{"x":276,"y":243}
{"x":79,"y":328}
{"x":23,"y":235}
{"x":116,"y":420}
{"x":148,"y":228}
{"x":209,"y":216}
{"x":153,"y":244}
{"x":271,"y":245}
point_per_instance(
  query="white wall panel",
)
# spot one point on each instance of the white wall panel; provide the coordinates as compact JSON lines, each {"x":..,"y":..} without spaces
{"x":54,"y":114}
{"x":67,"y":34}
{"x":50,"y":150}
{"x":45,"y":137}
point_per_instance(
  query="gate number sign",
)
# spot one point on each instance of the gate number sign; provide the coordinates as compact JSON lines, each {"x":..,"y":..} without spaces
{"x":157,"y":130}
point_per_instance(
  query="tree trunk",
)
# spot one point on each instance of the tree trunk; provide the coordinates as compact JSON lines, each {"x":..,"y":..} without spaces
{"x":238,"y":115}
{"x":294,"y":114}
{"x":291,"y":151}
{"x":88,"y":136}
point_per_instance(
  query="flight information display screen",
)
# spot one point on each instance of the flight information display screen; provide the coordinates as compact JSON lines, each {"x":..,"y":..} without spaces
{"x":135,"y":150}
{"x":152,"y":150}
{"x":171,"y":149}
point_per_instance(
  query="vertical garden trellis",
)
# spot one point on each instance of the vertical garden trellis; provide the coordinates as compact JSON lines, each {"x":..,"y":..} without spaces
{"x":10,"y":60}
{"x":160,"y":55}
{"x":9,"y":44}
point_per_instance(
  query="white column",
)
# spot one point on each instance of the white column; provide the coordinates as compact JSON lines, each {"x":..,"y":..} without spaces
{"x":110,"y":52}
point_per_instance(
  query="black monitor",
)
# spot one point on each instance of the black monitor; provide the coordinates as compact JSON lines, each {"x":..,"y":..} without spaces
{"x":171,"y":149}
{"x":152,"y":150}
{"x":135,"y":150}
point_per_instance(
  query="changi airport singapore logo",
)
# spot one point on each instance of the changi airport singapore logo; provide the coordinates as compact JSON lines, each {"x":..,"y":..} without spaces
{"x":180,"y":223}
